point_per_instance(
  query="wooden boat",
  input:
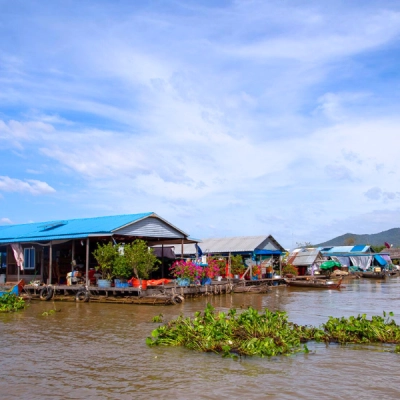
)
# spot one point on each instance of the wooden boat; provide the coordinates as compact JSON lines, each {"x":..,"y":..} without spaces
{"x":314,"y":283}
{"x":16,"y":289}
{"x":251,"y":289}
{"x":374,"y":275}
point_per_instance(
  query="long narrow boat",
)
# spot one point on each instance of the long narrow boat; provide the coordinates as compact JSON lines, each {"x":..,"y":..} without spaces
{"x":374,"y":275}
{"x":250,"y":289}
{"x":314,"y":283}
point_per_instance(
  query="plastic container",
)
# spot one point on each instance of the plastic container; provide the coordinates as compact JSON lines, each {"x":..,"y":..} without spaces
{"x":103,"y":283}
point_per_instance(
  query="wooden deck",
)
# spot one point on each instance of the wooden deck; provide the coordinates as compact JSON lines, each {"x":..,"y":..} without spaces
{"x":153,"y":295}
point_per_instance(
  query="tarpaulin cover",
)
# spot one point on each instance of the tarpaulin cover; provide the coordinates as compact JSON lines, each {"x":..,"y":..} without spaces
{"x":329,"y":264}
{"x":344,"y":260}
{"x":363,"y":262}
{"x":380,"y":260}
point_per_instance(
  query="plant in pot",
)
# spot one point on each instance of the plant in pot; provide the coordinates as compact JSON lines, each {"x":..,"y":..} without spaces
{"x":186,"y":272}
{"x":237,"y":266}
{"x":141,"y":260}
{"x":105,"y":255}
{"x":289,"y":271}
{"x":220,"y":263}
{"x":210,"y":272}
{"x":122,"y":271}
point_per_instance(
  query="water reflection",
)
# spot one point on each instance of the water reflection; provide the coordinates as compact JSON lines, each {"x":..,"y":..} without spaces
{"x":97,"y":351}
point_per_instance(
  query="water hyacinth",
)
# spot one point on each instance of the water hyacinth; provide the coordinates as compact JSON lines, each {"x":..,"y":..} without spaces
{"x":251,"y":333}
{"x":11,"y":303}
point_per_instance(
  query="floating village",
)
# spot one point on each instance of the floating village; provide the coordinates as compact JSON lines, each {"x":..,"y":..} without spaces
{"x":144,"y":259}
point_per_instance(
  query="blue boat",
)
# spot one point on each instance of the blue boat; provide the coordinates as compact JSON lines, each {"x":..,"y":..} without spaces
{"x":16,"y":289}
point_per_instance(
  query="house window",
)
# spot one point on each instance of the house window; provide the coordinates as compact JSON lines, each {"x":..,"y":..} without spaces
{"x":29,"y":258}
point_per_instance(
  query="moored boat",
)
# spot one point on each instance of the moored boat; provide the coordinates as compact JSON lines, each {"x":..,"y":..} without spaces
{"x":16,"y":289}
{"x":251,"y":289}
{"x":374,"y":275}
{"x":314,"y":283}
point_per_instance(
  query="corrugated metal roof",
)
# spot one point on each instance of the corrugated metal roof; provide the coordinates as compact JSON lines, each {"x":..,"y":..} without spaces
{"x":347,"y":249}
{"x":237,"y":244}
{"x":307,"y":257}
{"x":393,"y":253}
{"x":63,"y":229}
{"x":232,"y":244}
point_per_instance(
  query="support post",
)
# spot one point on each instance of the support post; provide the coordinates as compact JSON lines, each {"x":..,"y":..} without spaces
{"x":72,"y":255}
{"x":182,"y":250}
{"x":18,"y":273}
{"x":42,"y":263}
{"x":87,"y":262}
{"x":162,"y":260}
{"x":280,"y":265}
{"x":50,"y":263}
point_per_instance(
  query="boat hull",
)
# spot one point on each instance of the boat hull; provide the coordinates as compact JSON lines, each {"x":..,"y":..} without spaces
{"x":314,"y":284}
{"x":374,"y":275}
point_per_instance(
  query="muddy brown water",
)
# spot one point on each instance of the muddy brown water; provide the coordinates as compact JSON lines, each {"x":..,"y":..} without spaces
{"x":98,"y":351}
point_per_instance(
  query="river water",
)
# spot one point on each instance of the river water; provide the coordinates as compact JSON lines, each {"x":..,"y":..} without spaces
{"x":98,"y":351}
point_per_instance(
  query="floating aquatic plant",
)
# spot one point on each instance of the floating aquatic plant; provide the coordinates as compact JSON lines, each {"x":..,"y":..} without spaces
{"x":9,"y":303}
{"x":268,"y":333}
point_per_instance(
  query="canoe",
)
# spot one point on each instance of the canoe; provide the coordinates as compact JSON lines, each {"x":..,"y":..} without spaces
{"x":16,"y":289}
{"x":250,"y":289}
{"x":314,"y":283}
{"x":374,"y":275}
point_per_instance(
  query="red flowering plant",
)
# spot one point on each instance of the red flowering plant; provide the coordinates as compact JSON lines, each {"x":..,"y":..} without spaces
{"x":186,"y":269}
{"x":212,"y":270}
{"x":218,"y":265}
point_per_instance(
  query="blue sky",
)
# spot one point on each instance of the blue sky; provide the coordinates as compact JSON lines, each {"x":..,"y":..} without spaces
{"x":226,"y":118}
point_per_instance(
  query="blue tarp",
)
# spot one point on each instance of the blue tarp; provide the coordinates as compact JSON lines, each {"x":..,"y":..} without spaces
{"x":380,"y":260}
{"x":266,"y":252}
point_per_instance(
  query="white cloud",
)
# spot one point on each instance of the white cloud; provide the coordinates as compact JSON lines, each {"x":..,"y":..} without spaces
{"x":5,"y":221}
{"x":278,"y":125}
{"x":31,"y":186}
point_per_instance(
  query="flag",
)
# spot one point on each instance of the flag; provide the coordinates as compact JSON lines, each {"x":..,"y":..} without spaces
{"x":388,"y":245}
{"x":198,"y":250}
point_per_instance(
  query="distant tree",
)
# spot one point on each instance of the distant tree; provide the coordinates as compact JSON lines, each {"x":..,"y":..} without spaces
{"x":350,"y":241}
{"x":304,"y":244}
{"x":377,"y":249}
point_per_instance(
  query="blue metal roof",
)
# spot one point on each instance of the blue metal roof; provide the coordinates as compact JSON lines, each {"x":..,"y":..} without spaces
{"x":346,"y":249}
{"x":66,"y":229}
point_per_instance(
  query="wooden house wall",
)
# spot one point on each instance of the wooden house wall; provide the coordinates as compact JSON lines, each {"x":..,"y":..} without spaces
{"x":150,"y":227}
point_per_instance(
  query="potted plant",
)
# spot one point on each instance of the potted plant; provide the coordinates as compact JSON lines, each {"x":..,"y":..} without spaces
{"x":141,"y":260}
{"x":256,"y":271}
{"x":105,"y":255}
{"x":220,"y":263}
{"x":210,"y":271}
{"x":269,"y":271}
{"x":186,"y":272}
{"x":289,"y":271}
{"x":122,"y":271}
{"x":237,"y":266}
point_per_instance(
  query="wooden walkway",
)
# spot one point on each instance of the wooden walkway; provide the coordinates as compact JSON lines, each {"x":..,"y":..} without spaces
{"x":153,"y":295}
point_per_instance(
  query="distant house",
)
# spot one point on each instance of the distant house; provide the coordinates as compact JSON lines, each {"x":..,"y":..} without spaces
{"x":360,"y":256}
{"x":303,"y":259}
{"x":250,"y":246}
{"x":391,"y":255}
{"x":45,"y":251}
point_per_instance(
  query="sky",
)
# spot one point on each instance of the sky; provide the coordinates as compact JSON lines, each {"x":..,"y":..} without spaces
{"x":225,"y":118}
